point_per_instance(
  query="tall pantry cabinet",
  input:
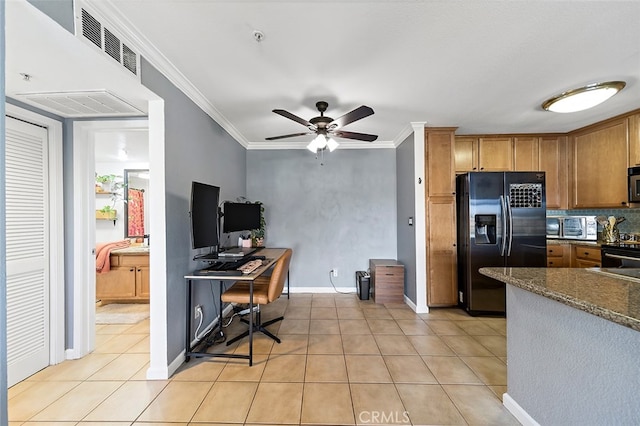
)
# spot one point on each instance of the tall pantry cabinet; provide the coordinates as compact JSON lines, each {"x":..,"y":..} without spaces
{"x":440,"y":216}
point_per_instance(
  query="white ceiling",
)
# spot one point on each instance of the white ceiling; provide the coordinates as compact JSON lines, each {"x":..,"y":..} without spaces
{"x":481,"y":66}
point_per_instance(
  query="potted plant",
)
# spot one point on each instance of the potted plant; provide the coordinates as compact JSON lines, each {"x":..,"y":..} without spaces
{"x":107,"y":212}
{"x":257,"y":235}
{"x":108,"y":183}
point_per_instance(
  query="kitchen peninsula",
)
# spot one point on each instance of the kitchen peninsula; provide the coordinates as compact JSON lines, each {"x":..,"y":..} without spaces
{"x":573,"y":341}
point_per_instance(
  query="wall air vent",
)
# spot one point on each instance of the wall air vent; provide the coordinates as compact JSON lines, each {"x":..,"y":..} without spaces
{"x":81,"y":104}
{"x":91,"y":28}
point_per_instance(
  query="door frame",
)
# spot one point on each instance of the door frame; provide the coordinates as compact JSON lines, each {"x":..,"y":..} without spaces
{"x":56,"y":228}
{"x":84,"y":235}
{"x":83,"y":321}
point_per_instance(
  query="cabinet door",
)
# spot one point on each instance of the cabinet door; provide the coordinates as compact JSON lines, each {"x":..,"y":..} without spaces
{"x":600,"y":158}
{"x":441,"y":252}
{"x":440,"y":162}
{"x":553,"y":161}
{"x":495,"y":154}
{"x":118,"y":283}
{"x":525,"y":154}
{"x":466,"y":154}
{"x":634,"y":140}
{"x":142,"y":281}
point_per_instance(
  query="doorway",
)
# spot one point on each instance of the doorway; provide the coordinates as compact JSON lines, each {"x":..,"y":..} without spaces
{"x":122,"y":217}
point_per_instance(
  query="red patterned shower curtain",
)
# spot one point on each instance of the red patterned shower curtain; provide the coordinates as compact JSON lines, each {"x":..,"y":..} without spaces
{"x":136,"y":213}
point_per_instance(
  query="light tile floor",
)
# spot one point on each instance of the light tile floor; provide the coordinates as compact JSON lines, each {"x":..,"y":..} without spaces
{"x":342,"y":361}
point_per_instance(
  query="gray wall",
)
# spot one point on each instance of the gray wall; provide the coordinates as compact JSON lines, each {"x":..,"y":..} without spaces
{"x":60,"y":11}
{"x":405,"y":164}
{"x":570,"y":367}
{"x":3,"y":229}
{"x":196,"y":149}
{"x":336,"y":215}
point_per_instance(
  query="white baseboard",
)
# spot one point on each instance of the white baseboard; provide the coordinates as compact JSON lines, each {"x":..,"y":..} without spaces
{"x":323,"y":290}
{"x":417,"y":309}
{"x":518,"y":412}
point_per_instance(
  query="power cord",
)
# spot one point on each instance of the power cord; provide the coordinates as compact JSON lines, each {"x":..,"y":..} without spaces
{"x":333,"y":285}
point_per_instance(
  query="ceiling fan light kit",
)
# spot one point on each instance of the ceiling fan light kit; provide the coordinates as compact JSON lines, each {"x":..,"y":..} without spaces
{"x":584,"y":97}
{"x":326,"y":128}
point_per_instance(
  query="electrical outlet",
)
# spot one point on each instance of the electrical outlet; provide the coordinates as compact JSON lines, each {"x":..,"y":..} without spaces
{"x":197,"y":311}
{"x":334,"y":271}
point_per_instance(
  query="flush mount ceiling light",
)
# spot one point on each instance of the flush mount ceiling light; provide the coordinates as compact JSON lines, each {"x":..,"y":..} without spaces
{"x":583,"y":98}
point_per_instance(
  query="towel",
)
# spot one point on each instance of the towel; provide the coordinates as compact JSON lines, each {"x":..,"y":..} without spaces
{"x":103,"y":254}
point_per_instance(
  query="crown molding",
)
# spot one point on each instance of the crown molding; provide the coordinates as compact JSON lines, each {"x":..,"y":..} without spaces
{"x":163,"y":65}
{"x":155,"y":57}
{"x":404,"y":134}
{"x":264,"y":146}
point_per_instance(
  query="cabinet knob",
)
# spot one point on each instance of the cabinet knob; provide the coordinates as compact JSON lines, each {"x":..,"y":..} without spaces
{"x":131,"y":270}
{"x":550,"y":251}
{"x":454,"y":244}
{"x":481,"y":168}
{"x":474,"y":168}
{"x":624,"y":203}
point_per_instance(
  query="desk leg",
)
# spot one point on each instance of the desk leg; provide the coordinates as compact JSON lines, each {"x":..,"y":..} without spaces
{"x":250,"y":323}
{"x":220,"y":307}
{"x":187,"y":346}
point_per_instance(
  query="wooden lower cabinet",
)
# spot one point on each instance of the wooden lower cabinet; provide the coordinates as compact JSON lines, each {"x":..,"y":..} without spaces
{"x":558,"y":255}
{"x":441,"y":252}
{"x":583,"y":256}
{"x":127,"y":279}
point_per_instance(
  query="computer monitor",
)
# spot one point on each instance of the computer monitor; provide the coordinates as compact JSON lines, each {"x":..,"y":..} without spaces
{"x":240,"y":216}
{"x":204,"y":215}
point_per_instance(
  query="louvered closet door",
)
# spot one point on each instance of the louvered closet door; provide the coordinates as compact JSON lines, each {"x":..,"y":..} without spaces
{"x":27,"y":250}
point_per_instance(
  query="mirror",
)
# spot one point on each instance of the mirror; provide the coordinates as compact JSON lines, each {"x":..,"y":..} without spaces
{"x":136,"y":189}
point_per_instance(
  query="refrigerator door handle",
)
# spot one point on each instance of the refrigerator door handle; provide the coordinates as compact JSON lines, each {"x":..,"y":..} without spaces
{"x":503,"y":212}
{"x":510,"y":215}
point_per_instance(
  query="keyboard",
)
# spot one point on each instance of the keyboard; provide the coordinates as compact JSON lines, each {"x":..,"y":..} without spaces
{"x":233,"y":268}
{"x":250,"y":266}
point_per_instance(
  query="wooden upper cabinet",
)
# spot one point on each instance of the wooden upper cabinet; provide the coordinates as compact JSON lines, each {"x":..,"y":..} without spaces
{"x":495,"y":154}
{"x":466,"y":154}
{"x":634,"y":140}
{"x":440,"y":162}
{"x":553,"y":161}
{"x":525,"y":154}
{"x":483,"y":154}
{"x":599,"y":165}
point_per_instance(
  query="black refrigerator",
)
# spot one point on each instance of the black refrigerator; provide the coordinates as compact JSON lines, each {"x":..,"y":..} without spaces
{"x":501,"y":222}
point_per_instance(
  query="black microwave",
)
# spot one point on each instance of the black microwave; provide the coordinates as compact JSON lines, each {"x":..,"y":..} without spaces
{"x":634,"y":184}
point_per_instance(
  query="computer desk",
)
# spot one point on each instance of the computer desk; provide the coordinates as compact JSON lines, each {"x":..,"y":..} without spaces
{"x":272,"y":255}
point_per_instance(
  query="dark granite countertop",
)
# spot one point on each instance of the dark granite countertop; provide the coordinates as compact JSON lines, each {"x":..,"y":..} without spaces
{"x":591,"y":290}
{"x":560,"y":241}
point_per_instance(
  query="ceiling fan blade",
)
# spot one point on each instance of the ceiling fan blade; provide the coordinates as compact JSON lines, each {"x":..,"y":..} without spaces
{"x":293,"y":117}
{"x":355,"y":115}
{"x":354,"y":135}
{"x":288,"y":136}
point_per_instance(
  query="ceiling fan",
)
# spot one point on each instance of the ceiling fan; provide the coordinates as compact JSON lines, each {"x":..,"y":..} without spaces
{"x":327,"y":127}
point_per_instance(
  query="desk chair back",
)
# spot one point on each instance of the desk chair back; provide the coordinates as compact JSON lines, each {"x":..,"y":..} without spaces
{"x":279,"y":276}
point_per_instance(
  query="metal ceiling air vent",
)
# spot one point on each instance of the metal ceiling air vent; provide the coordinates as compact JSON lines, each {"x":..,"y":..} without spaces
{"x":81,"y":104}
{"x":91,"y":29}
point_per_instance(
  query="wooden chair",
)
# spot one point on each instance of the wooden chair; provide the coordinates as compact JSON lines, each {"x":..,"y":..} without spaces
{"x":265,"y":291}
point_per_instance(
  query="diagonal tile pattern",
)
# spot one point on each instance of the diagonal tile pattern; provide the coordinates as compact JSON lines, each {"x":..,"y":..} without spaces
{"x":342,"y":361}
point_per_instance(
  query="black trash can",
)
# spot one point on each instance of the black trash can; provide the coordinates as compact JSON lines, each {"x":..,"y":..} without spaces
{"x":362,"y":284}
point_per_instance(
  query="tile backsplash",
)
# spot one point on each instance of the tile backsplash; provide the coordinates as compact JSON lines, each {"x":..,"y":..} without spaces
{"x":630,"y":225}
